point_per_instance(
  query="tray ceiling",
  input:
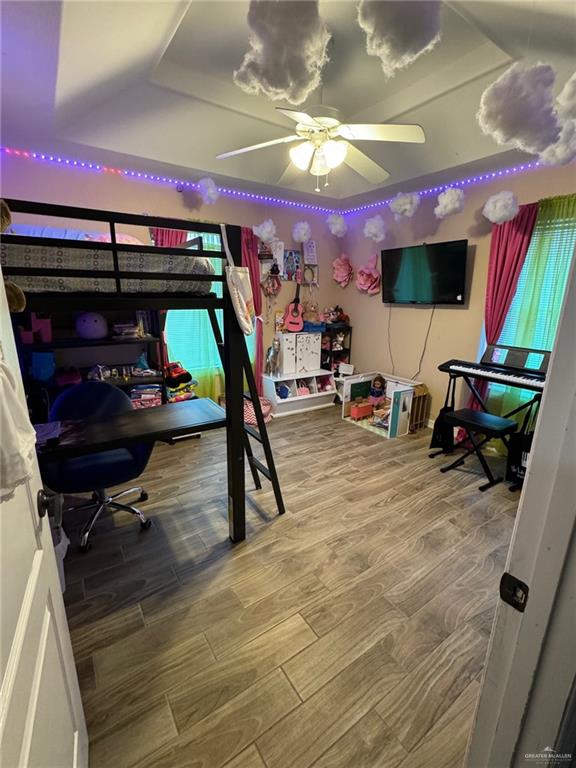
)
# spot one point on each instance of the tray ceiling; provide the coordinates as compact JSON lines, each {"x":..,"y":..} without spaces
{"x":153,"y":81}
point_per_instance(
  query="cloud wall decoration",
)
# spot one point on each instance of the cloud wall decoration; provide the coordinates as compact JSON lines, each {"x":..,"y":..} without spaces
{"x":501,"y":207}
{"x":375,"y":229}
{"x":449,"y":202}
{"x":288,"y":49}
{"x":399,"y":32}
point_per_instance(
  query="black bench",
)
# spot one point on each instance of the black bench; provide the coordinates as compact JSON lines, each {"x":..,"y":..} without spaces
{"x":479,"y":422}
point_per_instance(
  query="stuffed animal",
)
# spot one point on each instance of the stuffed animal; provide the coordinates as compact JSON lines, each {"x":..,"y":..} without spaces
{"x":14,"y":294}
{"x":175,"y":375}
{"x":311,"y":314}
{"x":340,"y":315}
{"x":273,"y":358}
{"x":5,"y":216}
{"x":91,"y":325}
{"x":327,"y":315}
{"x":335,"y":315}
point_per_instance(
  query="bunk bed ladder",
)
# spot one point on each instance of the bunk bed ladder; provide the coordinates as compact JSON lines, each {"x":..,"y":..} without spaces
{"x":257,"y":467}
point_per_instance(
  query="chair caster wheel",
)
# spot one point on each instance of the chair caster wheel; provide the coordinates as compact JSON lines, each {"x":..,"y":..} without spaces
{"x":143,"y":496}
{"x":86,"y":547}
{"x":146,"y":525}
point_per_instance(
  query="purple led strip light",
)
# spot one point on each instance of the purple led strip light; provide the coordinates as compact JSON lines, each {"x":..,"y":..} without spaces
{"x":150,"y":177}
{"x":161,"y":179}
{"x":482,"y":177}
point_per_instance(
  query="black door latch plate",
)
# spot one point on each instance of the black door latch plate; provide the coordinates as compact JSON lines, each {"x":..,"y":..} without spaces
{"x":514,"y":592}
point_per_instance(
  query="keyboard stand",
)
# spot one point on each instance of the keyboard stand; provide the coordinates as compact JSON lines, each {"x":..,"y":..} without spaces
{"x":464,"y":442}
{"x":479,"y":422}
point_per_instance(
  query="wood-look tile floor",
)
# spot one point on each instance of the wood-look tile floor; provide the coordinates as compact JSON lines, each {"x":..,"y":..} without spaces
{"x":351,"y":633}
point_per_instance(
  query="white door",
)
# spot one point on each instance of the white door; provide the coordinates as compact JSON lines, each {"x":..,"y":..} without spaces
{"x":41,"y":718}
{"x":531,"y":662}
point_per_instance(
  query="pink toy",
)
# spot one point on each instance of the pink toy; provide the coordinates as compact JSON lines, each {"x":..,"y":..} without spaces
{"x":120,"y":238}
{"x":41,"y":327}
{"x":368,"y":277}
{"x":342,"y":270}
{"x":26,"y":336}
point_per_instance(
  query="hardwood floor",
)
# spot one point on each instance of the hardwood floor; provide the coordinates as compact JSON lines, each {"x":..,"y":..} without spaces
{"x":351,"y":633}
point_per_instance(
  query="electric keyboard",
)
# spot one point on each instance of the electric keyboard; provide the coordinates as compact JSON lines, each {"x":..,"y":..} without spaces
{"x":511,"y":366}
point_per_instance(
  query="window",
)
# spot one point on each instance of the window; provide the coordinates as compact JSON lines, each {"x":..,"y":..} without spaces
{"x":533,"y":316}
{"x":189,"y":334}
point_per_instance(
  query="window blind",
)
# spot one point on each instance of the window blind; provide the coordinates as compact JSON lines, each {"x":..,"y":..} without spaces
{"x":189,"y":334}
{"x":533,"y":316}
{"x":534,"y":313}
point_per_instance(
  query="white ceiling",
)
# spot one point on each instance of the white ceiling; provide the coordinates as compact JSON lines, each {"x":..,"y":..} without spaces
{"x":151,"y":83}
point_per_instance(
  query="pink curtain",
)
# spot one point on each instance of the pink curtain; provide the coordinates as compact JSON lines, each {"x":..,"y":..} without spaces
{"x":508,"y":248}
{"x":166,"y":238}
{"x":250,"y":260}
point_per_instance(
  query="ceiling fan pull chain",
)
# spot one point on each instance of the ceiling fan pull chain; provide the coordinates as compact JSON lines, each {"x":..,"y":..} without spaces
{"x":326,"y":180}
{"x":317,"y":184}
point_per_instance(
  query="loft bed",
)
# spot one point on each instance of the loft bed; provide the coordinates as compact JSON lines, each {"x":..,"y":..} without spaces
{"x":62,"y":274}
{"x":74,"y":270}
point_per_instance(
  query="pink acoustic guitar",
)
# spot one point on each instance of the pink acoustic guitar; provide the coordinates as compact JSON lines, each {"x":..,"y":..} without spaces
{"x":293,"y":317}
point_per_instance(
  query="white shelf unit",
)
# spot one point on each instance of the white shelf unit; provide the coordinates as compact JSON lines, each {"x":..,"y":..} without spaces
{"x":316,"y":381}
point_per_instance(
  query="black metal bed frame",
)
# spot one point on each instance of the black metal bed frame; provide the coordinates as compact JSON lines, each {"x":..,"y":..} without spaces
{"x":232,"y":347}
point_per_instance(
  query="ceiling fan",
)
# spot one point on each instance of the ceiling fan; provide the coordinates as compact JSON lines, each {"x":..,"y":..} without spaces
{"x":326,"y":143}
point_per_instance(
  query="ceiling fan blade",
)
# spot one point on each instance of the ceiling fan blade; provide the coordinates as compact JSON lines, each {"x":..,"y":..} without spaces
{"x":284,"y":140}
{"x":384,"y":132}
{"x":365,"y":166}
{"x":299,"y":117}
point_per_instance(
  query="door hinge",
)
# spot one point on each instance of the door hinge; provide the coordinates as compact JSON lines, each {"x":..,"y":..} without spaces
{"x":514,"y":592}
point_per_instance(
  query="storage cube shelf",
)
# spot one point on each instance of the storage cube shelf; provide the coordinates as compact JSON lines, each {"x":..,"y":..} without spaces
{"x":299,"y":353}
{"x":320,"y":384}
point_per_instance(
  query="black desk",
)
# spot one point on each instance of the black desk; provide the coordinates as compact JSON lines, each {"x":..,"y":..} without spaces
{"x":147,"y":425}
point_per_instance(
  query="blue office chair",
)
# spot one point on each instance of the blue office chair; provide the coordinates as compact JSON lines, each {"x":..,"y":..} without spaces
{"x":97,"y":471}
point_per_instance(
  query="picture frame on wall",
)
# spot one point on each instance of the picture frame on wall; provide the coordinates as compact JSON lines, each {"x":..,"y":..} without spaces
{"x":292,"y":263}
{"x":278,"y":321}
{"x":309,"y":252}
{"x":277,"y":247}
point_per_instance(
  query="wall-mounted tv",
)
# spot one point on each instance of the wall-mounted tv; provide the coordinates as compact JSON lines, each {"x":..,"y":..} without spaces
{"x":433,"y":273}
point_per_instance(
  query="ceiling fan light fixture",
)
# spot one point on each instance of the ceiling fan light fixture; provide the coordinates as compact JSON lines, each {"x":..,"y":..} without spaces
{"x":335,"y":152}
{"x":301,"y":155}
{"x":319,"y":165}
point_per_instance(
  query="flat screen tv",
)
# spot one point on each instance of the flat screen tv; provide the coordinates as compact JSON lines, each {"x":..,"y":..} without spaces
{"x":433,"y":273}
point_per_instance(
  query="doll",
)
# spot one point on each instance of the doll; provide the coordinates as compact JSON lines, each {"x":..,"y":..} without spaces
{"x":341,"y":316}
{"x":273,"y":358}
{"x":377,"y":393}
{"x":338,"y":344}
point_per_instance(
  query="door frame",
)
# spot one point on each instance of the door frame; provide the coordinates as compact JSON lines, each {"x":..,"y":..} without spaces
{"x":531,"y":664}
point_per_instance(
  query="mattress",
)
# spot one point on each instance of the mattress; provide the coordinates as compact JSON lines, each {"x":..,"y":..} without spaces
{"x":56,"y":257}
